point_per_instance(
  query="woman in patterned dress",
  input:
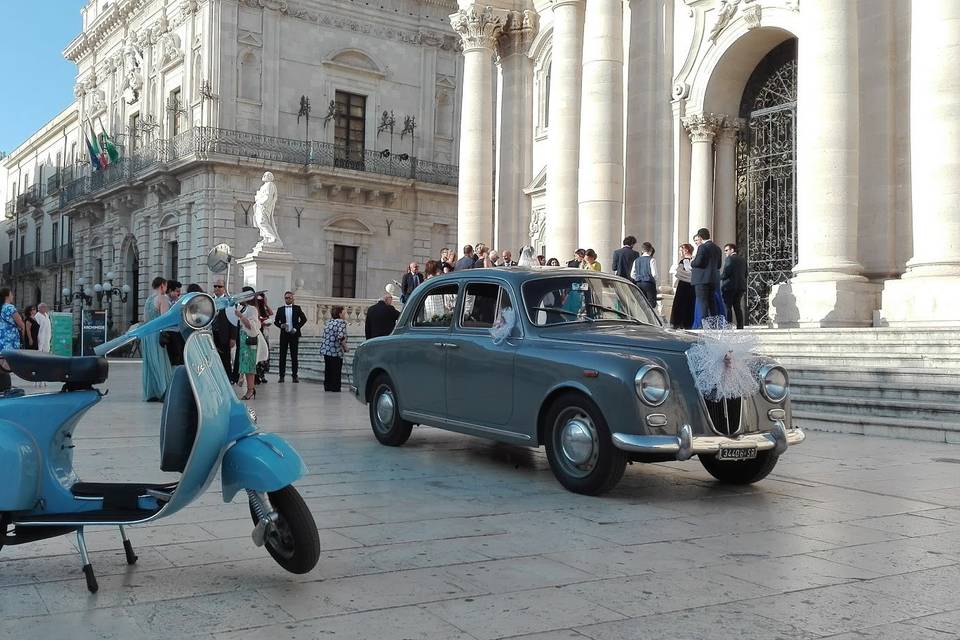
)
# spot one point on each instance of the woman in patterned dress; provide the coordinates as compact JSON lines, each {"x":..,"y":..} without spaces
{"x":156,"y":371}
{"x":333,"y":346}
{"x":11,"y":324}
{"x":251,"y":351}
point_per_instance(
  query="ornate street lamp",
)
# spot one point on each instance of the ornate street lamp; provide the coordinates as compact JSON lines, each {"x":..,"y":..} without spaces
{"x":109,"y":290}
{"x":84,"y":298}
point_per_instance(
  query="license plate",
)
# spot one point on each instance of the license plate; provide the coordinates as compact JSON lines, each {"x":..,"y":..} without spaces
{"x":737,"y":453}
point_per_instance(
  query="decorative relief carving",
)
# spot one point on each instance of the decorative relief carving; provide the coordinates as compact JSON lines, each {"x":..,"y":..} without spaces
{"x":703,"y":127}
{"x":752,"y":16}
{"x":518,"y":33}
{"x":680,"y":90}
{"x":479,"y":27}
{"x":727,"y":11}
{"x":729,"y":129}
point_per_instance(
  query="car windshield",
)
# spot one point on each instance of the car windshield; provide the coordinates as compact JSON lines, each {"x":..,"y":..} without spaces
{"x":586,"y":298}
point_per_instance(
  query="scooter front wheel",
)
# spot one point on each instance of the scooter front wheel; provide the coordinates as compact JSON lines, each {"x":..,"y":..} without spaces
{"x":293,"y":540}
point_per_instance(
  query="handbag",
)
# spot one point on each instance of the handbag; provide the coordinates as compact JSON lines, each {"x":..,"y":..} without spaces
{"x":252,"y":341}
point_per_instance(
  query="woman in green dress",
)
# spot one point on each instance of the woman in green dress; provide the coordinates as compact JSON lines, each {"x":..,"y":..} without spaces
{"x":157,"y":371}
{"x":252,"y":346}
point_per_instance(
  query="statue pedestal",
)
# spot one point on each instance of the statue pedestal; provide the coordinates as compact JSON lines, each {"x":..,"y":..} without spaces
{"x":270,"y":270}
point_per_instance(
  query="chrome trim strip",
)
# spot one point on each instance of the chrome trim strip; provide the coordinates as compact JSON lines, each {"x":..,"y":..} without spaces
{"x":684,"y":446}
{"x":413,"y":416}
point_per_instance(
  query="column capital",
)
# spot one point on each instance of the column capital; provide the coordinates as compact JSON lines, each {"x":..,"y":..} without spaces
{"x":479,"y":26}
{"x":518,"y":32}
{"x":703,"y":127}
{"x":728,"y":130}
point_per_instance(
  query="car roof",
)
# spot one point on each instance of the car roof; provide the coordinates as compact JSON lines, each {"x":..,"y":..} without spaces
{"x":521,"y":274}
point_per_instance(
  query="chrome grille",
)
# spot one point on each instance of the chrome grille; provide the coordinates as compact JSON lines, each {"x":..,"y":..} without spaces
{"x":725,"y":415}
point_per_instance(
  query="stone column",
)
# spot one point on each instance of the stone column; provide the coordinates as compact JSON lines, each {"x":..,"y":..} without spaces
{"x":601,"y":130}
{"x":828,"y":289}
{"x":703,"y":129}
{"x":514,"y":147}
{"x":929,"y":291}
{"x":562,"y":229}
{"x":479,"y":27}
{"x":725,"y":190}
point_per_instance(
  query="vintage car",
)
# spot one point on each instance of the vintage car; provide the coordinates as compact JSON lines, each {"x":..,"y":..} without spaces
{"x":573,"y":360}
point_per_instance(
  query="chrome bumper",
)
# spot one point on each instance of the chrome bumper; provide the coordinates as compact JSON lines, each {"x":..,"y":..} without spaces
{"x":355,"y":392}
{"x":685,"y":445}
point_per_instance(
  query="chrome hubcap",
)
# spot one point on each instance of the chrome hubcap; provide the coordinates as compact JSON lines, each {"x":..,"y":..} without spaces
{"x":576,"y":442}
{"x":386,"y":408}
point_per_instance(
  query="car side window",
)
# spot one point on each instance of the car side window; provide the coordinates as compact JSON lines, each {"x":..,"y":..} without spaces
{"x":483,"y":305}
{"x":436,"y":308}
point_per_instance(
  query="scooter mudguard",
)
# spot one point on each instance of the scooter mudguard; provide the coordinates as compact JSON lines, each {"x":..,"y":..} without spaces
{"x":263,"y":462}
{"x":20,"y":468}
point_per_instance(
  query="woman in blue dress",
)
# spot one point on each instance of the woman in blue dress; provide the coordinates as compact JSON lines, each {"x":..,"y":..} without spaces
{"x":11,"y":324}
{"x":698,"y":311}
{"x":157,"y":371}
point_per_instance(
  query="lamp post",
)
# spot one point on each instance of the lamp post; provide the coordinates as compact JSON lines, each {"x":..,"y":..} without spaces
{"x":84,"y":298}
{"x":109,"y":290}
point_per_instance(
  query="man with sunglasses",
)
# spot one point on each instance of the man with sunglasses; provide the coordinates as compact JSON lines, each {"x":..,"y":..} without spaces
{"x":223,"y":331}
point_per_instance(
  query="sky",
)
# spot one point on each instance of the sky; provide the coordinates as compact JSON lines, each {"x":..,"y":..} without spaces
{"x":37,"y":81}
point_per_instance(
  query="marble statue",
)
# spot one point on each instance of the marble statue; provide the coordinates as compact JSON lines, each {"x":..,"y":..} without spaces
{"x":266,"y":200}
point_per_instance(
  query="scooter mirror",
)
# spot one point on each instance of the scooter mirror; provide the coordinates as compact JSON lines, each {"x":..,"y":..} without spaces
{"x":219,"y":258}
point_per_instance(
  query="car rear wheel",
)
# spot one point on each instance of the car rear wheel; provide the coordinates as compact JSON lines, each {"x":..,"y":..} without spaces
{"x":388,"y":427}
{"x":579,"y":448}
{"x":740,"y":472}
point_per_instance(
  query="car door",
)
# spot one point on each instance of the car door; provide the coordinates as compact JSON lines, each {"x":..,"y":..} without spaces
{"x":421,"y":356}
{"x":480,"y":369}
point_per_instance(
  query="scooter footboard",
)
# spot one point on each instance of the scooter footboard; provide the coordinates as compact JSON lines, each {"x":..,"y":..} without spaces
{"x":262,"y":462}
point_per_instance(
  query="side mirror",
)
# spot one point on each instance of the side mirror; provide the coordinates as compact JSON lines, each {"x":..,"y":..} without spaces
{"x":219,"y":258}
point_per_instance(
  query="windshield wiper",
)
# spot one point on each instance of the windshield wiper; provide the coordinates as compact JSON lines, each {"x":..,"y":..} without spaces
{"x":622,"y":314}
{"x":564,"y":312}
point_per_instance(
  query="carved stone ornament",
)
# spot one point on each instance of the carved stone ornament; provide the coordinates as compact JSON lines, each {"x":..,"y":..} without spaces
{"x":132,"y":69}
{"x":518,"y":33}
{"x":538,"y":226}
{"x":703,"y":127}
{"x":752,"y":16}
{"x":680,"y":90}
{"x":730,"y":128}
{"x":478,"y":27}
{"x":725,"y":12}
{"x":170,"y":51}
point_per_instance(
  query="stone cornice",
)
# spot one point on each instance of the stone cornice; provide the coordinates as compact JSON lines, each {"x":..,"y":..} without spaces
{"x":116,"y":16}
{"x":479,"y":26}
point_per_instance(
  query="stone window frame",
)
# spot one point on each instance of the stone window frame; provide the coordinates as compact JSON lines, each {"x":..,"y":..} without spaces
{"x":542,"y":74}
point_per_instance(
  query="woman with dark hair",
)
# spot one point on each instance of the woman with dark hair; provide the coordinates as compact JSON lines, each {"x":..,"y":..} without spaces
{"x":644,"y":273}
{"x":249,"y":346}
{"x":333,"y":346}
{"x":553,"y":262}
{"x":157,"y":371}
{"x":681,"y":314}
{"x":11,"y":324}
{"x":193,"y":287}
{"x":431,"y":269}
{"x":265,"y":314}
{"x":31,"y":331}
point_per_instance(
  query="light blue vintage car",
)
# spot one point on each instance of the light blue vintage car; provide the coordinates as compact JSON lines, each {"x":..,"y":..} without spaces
{"x":573,"y":360}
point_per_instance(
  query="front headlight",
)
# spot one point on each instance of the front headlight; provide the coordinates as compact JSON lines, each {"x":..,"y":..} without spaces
{"x":774,"y":382}
{"x":653,"y":385}
{"x":199,"y":311}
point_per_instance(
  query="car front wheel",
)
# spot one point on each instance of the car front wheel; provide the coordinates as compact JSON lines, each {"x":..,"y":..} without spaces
{"x":741,"y":472}
{"x":579,"y":448}
{"x":388,"y":427}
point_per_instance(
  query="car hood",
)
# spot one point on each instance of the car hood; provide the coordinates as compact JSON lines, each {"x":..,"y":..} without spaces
{"x":622,"y":335}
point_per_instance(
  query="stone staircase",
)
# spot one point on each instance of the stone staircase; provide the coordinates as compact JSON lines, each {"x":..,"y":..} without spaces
{"x":310,"y":362}
{"x":902,"y":383}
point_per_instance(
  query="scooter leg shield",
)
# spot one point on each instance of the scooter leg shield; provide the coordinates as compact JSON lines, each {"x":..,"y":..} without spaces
{"x":20,"y":468}
{"x":263,"y":462}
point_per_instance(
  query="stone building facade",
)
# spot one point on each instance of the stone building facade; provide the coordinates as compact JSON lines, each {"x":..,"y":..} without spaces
{"x":819,"y":135}
{"x":201,"y":97}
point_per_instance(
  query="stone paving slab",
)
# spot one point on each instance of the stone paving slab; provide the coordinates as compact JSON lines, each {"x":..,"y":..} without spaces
{"x":455,"y":538}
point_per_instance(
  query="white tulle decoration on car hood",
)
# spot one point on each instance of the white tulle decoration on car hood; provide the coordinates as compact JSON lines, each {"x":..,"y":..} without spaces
{"x":723,"y":363}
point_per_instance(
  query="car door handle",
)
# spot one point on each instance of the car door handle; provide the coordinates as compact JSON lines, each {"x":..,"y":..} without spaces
{"x":450,"y":345}
{"x":440,"y":344}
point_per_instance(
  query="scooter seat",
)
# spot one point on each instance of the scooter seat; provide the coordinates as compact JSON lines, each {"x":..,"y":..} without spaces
{"x":77,"y":373}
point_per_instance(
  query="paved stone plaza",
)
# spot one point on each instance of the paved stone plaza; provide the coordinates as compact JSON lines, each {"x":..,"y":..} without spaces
{"x":452,"y":537}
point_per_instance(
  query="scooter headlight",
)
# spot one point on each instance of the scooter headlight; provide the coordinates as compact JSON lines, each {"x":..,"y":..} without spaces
{"x":653,"y":385}
{"x":774,"y":383}
{"x":198,"y":313}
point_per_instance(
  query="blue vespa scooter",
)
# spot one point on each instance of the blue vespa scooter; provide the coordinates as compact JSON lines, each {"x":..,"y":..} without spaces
{"x":203,"y":428}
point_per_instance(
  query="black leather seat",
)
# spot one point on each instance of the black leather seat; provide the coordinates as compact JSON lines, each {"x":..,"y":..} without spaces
{"x":42,"y":367}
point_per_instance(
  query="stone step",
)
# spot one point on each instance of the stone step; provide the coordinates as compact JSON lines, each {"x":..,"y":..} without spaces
{"x":944,"y":349}
{"x":878,"y":407}
{"x":873,"y":389}
{"x":905,"y":376}
{"x":858,"y":334}
{"x":869,"y":361}
{"x":911,"y":429}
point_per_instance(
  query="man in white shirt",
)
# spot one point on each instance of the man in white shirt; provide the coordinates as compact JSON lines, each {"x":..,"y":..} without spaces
{"x":290,"y":319}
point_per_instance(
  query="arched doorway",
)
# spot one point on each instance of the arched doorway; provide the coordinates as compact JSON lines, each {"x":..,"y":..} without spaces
{"x":766,"y":176}
{"x":131,"y":276}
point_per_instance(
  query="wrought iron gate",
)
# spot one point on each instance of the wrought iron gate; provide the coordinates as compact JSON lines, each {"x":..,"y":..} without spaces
{"x":766,"y":177}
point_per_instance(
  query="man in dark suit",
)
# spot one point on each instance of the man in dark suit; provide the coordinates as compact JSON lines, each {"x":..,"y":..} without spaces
{"x":467,"y":261}
{"x":705,"y":272}
{"x":733,"y":283}
{"x":508,"y":260}
{"x":411,"y":280}
{"x":290,"y":320}
{"x":223,"y":332}
{"x":381,"y":318}
{"x":624,"y":257}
